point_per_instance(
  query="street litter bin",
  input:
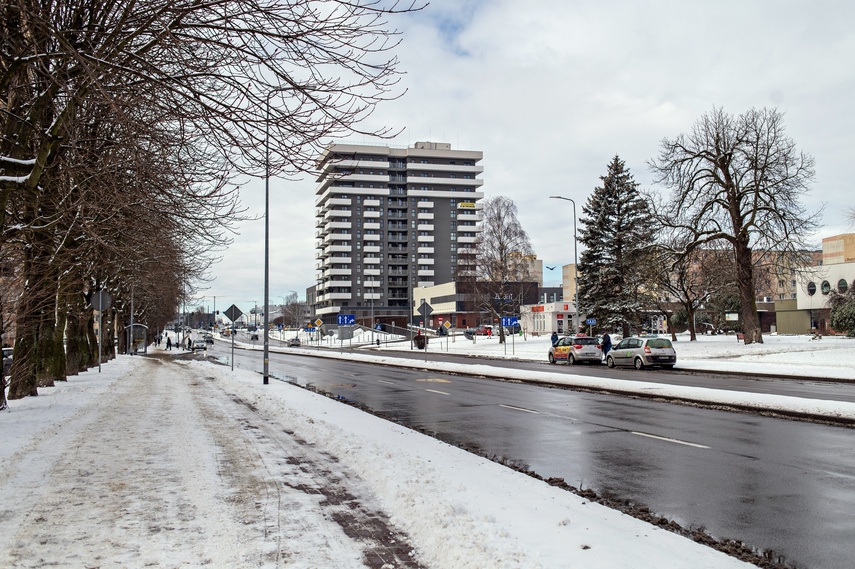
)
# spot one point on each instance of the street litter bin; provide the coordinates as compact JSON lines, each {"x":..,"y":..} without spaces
{"x":421,"y":342}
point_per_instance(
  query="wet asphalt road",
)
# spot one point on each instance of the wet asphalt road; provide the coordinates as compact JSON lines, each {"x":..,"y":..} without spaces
{"x":775,"y":484}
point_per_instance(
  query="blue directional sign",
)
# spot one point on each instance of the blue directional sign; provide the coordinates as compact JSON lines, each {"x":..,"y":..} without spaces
{"x":510,"y":320}
{"x":309,"y":329}
{"x":346,"y":319}
{"x":591,"y":321}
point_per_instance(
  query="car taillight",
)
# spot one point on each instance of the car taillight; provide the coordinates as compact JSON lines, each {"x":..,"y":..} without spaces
{"x":599,"y":346}
{"x":646,"y":349}
{"x":577,"y":346}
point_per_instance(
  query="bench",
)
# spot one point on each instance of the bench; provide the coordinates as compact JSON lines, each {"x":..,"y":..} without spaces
{"x":740,"y":336}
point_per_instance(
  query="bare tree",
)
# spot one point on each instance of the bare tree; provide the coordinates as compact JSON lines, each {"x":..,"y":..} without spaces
{"x":504,"y":255}
{"x":737,"y":180}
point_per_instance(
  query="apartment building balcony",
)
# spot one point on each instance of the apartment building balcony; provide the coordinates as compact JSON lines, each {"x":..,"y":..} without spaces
{"x":473,"y":169}
{"x":371,"y":214}
{"x":426,"y":261}
{"x":338,"y":224}
{"x":338,"y":259}
{"x":328,"y":273}
{"x":425,"y":273}
{"x":425,"y":238}
{"x":371,"y":237}
{"x":333,"y":213}
{"x":337,"y":249}
{"x":425,"y":283}
{"x":338,"y":296}
{"x":425,"y":226}
{"x":468,"y":215}
{"x":371,"y":284}
{"x":397,"y":249}
{"x":372,"y":295}
{"x":370,"y":249}
{"x":339,"y":283}
{"x":467,"y":240}
{"x":371,"y":225}
{"x":372,"y":260}
{"x":371,"y":203}
{"x":424,"y":215}
{"x":425,"y":250}
{"x":371,"y":271}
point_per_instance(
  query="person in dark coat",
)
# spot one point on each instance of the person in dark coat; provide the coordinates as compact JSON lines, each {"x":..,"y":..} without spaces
{"x":607,"y":344}
{"x":168,"y":343}
{"x":554,"y":338}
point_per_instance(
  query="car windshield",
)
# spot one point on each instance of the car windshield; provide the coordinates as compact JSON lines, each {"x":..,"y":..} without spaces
{"x":659,"y":343}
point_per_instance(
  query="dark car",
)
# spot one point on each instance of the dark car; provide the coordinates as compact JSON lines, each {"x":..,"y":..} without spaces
{"x":209,"y":338}
{"x":643,"y":352}
{"x":7,"y":361}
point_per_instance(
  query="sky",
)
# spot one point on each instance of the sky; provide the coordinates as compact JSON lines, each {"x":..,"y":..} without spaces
{"x":163,"y":496}
{"x":550,"y":91}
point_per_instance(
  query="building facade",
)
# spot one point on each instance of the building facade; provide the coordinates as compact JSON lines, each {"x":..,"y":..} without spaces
{"x":389,"y":220}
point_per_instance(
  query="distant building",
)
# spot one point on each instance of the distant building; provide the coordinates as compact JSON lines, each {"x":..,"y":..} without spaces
{"x":390,"y":220}
{"x":808,"y":311}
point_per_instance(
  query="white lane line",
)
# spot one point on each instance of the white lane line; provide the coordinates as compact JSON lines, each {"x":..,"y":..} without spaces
{"x":679,"y":442}
{"x":435,"y":391}
{"x":519,"y":409}
{"x":387,"y":382}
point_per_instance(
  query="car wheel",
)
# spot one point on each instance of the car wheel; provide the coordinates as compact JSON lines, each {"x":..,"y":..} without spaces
{"x":571,"y":359}
{"x":639,"y":364}
{"x":610,"y":362}
{"x":551,"y":359}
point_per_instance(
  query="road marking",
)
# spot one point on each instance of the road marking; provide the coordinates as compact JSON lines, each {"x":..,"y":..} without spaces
{"x":435,"y":391}
{"x":679,"y":442}
{"x":387,"y":382}
{"x":434,"y":380}
{"x":519,"y":409}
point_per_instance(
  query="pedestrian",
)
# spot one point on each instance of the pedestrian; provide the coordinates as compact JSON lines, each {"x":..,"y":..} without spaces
{"x":168,"y":343}
{"x":490,"y":332}
{"x":554,"y":338}
{"x":607,"y":344}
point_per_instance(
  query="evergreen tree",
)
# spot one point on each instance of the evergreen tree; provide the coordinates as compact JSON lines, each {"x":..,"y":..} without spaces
{"x":618,"y":235}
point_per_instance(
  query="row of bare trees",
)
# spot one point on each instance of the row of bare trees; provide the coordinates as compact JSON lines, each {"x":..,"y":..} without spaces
{"x":123,"y":127}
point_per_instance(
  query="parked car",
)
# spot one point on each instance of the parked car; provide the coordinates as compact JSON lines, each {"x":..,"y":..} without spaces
{"x":576,"y":349}
{"x":200,"y":344}
{"x":642,"y":352}
{"x":294,"y":342}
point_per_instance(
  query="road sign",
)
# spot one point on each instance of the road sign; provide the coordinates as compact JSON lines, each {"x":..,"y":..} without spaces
{"x":319,"y":323}
{"x":346,"y":319}
{"x":101,"y":300}
{"x":591,"y":321}
{"x":447,"y":324}
{"x":233,"y":313}
{"x":425,"y":309}
{"x":510,"y":320}
{"x":309,"y":329}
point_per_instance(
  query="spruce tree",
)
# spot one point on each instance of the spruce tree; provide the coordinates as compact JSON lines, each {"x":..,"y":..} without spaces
{"x":618,"y":235}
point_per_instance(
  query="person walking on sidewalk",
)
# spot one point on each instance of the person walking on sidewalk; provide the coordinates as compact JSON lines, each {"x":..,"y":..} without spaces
{"x":168,"y":343}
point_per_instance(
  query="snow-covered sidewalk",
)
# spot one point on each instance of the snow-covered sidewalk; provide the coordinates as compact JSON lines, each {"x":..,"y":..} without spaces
{"x":163,"y":462}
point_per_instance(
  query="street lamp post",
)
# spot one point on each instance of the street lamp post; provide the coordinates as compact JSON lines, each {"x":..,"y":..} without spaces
{"x":266,"y":374}
{"x":575,"y":263}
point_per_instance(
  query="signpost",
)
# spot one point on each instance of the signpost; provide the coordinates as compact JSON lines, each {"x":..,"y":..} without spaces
{"x":101,"y":302}
{"x":233,"y":313}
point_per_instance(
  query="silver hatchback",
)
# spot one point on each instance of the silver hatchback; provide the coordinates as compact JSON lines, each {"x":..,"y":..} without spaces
{"x":643,"y":352}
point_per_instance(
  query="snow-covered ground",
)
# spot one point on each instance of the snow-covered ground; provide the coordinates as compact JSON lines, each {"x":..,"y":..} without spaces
{"x":158,"y":461}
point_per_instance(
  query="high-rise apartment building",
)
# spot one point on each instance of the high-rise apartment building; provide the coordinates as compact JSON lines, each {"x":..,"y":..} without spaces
{"x":389,"y":219}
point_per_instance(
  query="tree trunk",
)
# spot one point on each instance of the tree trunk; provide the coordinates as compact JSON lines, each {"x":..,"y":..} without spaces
{"x":745,"y":285}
